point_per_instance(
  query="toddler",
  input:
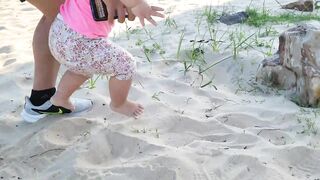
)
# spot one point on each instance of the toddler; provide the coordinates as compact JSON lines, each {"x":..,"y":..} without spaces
{"x":82,"y":45}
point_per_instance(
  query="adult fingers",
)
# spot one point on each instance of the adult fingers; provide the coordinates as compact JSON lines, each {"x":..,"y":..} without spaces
{"x":111,"y":13}
{"x":121,"y":14}
{"x":131,"y":16}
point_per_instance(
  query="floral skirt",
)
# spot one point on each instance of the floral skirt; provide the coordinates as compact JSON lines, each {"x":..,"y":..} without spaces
{"x":87,"y":56}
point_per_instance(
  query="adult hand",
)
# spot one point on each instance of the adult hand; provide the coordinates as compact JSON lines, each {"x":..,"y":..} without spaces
{"x":144,"y":11}
{"x":117,"y":8}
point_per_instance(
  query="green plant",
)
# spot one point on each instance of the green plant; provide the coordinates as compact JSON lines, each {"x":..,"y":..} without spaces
{"x":260,"y":18}
{"x":158,"y":48}
{"x":269,"y":52}
{"x":148,"y":52}
{"x":258,"y":42}
{"x":238,"y":39}
{"x":139,"y":42}
{"x":156,"y":95}
{"x":214,"y":64}
{"x":215,"y":42}
{"x":210,"y":14}
{"x":199,"y":21}
{"x":129,"y":30}
{"x":170,"y":23}
{"x":148,"y":33}
{"x":194,"y":56}
{"x":309,"y":118}
{"x":311,"y":126}
{"x":91,"y":83}
{"x":268,"y":31}
{"x":155,"y":48}
{"x":180,"y":43}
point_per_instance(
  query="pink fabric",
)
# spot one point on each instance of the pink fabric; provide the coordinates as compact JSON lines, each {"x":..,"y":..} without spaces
{"x":77,"y":15}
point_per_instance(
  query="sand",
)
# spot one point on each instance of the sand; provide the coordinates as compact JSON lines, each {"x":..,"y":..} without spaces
{"x":230,"y":129}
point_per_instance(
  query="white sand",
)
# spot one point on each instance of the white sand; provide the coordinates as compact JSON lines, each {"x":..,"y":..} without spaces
{"x":186,"y":132}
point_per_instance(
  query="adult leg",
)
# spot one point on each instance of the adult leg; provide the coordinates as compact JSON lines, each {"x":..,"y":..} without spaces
{"x":46,"y":67}
{"x":60,"y":102}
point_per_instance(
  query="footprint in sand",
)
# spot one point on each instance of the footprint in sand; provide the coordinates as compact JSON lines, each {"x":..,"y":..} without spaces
{"x":115,"y":146}
{"x":302,"y":162}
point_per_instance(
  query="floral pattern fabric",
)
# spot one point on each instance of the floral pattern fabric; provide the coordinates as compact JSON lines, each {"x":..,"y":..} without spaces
{"x":88,"y":56}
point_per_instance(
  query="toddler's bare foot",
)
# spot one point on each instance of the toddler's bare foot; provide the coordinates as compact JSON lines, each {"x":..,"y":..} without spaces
{"x":63,"y":103}
{"x":128,"y":108}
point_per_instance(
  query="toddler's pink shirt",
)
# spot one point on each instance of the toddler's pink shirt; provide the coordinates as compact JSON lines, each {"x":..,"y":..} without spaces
{"x":77,"y":15}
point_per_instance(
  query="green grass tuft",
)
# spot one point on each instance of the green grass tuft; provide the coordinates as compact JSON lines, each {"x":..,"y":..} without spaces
{"x":260,"y":18}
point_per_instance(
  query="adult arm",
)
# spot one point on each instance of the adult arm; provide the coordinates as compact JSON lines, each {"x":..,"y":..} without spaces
{"x":116,"y":7}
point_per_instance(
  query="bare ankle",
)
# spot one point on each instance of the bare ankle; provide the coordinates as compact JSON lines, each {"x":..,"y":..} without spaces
{"x":116,"y":105}
{"x":63,"y":102}
{"x":127,"y":108}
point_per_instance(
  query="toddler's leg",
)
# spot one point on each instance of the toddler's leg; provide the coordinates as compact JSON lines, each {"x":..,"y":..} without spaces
{"x":119,"y":90}
{"x":69,"y":83}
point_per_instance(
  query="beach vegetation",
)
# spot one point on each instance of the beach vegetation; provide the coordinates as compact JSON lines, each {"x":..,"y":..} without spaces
{"x":170,"y":23}
{"x":267,"y":31}
{"x":269,"y":46}
{"x":91,"y":83}
{"x":259,"y":18}
{"x":139,"y":42}
{"x":195,"y":56}
{"x":214,"y":64}
{"x":309,"y":117}
{"x":238,"y":41}
{"x":149,"y":34}
{"x":156,"y":95}
{"x":210,"y":14}
{"x":148,"y":52}
{"x":153,"y":49}
{"x":182,"y":34}
{"x":215,"y":41}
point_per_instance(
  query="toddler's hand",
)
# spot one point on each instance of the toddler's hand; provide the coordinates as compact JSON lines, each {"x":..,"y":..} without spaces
{"x":144,"y":11}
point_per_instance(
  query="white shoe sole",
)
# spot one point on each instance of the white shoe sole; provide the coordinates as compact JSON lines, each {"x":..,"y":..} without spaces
{"x":31,"y":118}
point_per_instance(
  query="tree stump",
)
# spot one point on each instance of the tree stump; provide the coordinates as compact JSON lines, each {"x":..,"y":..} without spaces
{"x":301,"y":5}
{"x":296,"y":65}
